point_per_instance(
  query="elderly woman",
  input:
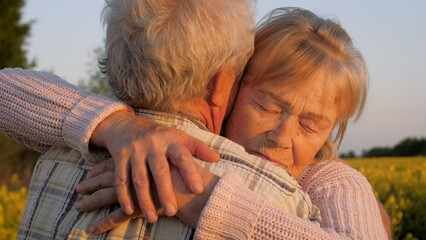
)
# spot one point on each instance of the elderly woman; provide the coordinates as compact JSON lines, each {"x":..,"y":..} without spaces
{"x":304,"y":80}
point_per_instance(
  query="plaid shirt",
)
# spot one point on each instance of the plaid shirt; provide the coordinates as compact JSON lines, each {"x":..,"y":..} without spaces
{"x":49,"y":212}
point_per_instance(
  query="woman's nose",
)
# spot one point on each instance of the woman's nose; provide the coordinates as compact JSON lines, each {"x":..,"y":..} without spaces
{"x":283,"y":133}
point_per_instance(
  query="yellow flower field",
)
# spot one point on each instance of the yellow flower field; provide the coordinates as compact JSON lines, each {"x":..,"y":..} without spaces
{"x":399,"y":183}
{"x":12,"y":203}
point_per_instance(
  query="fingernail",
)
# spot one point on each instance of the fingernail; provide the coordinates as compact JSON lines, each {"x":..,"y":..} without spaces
{"x":198,"y":188}
{"x":128,"y":209}
{"x":92,"y":230}
{"x":170,"y":210}
{"x":78,"y":189}
{"x":77,"y":206}
{"x":150,"y":215}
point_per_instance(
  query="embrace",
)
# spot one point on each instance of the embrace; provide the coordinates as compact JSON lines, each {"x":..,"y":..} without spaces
{"x":223,"y":130}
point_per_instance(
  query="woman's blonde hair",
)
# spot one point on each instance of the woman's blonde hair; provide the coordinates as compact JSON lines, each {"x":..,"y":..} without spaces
{"x":160,"y":52}
{"x":301,"y":46}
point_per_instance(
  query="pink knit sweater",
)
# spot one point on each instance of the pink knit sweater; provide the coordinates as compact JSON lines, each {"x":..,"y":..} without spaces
{"x":41,"y":110}
{"x":348,"y":208}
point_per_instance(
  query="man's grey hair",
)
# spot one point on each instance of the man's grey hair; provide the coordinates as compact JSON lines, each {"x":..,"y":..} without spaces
{"x":162,"y":52}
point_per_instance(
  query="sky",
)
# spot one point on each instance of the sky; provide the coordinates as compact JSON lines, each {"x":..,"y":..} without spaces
{"x":390,"y":34}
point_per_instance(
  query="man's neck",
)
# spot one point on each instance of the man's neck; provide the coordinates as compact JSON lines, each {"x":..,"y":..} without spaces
{"x":201,"y":110}
{"x":211,"y":110}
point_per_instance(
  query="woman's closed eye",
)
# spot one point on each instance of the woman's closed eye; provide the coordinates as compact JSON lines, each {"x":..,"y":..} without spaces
{"x":308,"y":127}
{"x":266,"y":108}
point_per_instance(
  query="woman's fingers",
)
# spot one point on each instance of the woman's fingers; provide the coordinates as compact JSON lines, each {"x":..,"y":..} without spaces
{"x":122,"y":184}
{"x":100,"y":198}
{"x":198,"y":148}
{"x":141,"y":184}
{"x":182,"y":160}
{"x":160,"y":171}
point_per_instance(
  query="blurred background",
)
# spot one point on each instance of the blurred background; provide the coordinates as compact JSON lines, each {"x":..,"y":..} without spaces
{"x":66,"y":38}
{"x":390,"y":34}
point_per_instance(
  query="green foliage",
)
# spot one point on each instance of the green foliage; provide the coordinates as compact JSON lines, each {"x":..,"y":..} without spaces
{"x":350,"y":154}
{"x":410,"y":147}
{"x":97,"y":82}
{"x":400,"y":184}
{"x":13,"y":34}
{"x":378,"y":152}
{"x":407,"y":147}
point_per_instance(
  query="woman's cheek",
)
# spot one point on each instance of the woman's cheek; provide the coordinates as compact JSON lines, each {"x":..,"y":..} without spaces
{"x":309,"y":146}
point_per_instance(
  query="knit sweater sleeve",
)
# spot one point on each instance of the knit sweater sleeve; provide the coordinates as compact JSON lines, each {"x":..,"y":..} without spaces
{"x":348,"y":209}
{"x":41,"y":110}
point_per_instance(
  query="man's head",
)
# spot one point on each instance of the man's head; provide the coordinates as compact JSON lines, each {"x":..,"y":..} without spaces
{"x":160,"y":52}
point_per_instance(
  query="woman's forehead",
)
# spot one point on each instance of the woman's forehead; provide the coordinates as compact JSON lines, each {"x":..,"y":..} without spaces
{"x":318,"y":84}
{"x":312,"y":96}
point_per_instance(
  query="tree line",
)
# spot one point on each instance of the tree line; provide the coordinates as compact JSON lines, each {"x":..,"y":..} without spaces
{"x":407,"y":147}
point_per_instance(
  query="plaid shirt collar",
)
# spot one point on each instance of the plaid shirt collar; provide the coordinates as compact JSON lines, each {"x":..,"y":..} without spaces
{"x":171,"y":119}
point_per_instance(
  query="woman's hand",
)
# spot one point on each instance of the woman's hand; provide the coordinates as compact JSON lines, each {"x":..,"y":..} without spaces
{"x":136,"y":143}
{"x":100,"y":184}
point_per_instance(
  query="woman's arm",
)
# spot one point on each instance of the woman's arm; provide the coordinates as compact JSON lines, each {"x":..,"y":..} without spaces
{"x":234,"y":211}
{"x":40,"y":110}
{"x":231,"y":211}
{"x":349,"y":209}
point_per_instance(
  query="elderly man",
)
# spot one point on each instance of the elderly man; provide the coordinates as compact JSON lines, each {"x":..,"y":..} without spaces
{"x":176,"y":63}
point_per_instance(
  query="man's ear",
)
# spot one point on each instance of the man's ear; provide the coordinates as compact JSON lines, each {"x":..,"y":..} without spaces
{"x":220,"y":89}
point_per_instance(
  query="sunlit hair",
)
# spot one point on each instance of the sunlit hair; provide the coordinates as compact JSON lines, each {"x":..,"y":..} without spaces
{"x":300,"y":47}
{"x":160,"y":52}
